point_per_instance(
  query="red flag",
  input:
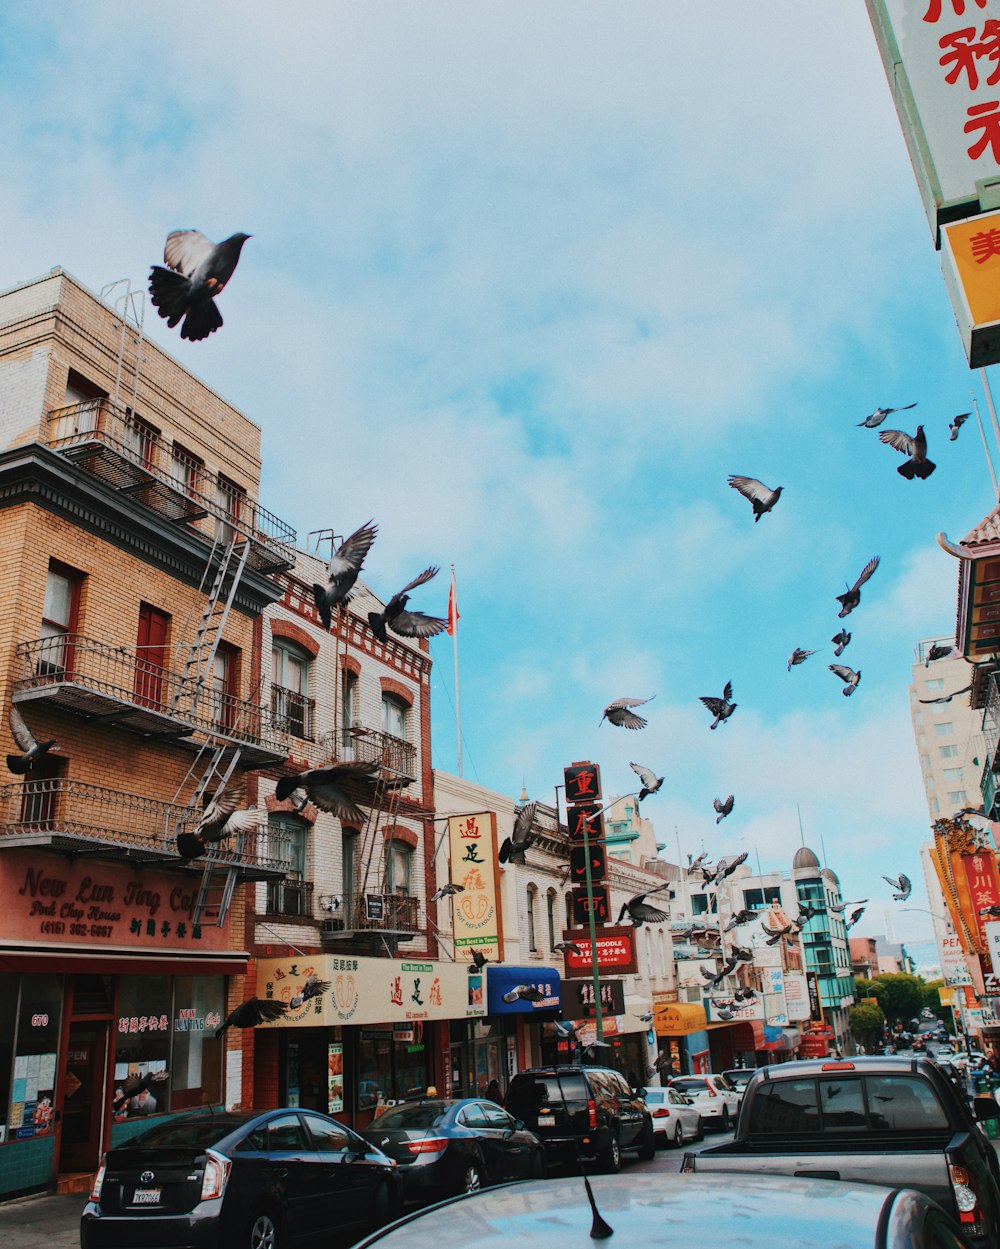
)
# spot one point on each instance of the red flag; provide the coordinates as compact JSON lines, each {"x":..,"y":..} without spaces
{"x":453,"y":616}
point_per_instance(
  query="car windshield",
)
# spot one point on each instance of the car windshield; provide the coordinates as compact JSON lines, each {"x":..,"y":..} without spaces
{"x":199,"y":1134}
{"x":655,"y":1095}
{"x":689,"y":1085}
{"x":416,"y":1115}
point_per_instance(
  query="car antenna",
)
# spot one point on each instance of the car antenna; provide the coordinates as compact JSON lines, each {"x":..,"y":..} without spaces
{"x":599,"y":1229}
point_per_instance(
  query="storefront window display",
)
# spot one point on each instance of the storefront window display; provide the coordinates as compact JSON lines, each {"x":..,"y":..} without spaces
{"x":391,"y":1066}
{"x":196,"y":1061}
{"x":30,"y":1019}
{"x":142,"y":1042}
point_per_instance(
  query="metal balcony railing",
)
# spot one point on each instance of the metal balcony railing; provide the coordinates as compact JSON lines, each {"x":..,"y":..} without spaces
{"x":295,"y":712}
{"x":290,"y":897}
{"x":70,"y":813}
{"x":377,"y":912}
{"x":128,"y":454}
{"x":372,"y":745}
{"x":99,"y":680}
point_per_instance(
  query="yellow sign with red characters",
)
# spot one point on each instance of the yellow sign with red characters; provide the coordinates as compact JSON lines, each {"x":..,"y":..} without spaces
{"x":475,"y":910}
{"x":970,"y":262}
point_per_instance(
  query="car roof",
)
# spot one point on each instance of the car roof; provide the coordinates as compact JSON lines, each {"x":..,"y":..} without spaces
{"x":665,"y":1211}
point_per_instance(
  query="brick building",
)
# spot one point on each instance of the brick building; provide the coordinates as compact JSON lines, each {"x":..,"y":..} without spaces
{"x":136,"y":566}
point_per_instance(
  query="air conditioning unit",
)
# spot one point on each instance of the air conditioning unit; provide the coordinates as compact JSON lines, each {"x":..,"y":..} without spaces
{"x":334,"y":923}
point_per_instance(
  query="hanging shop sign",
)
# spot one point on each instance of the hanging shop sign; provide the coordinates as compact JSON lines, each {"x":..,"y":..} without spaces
{"x":615,"y":952}
{"x":579,"y":1000}
{"x":582,"y":783}
{"x":578,"y":864}
{"x":940,"y":57}
{"x":476,"y":918}
{"x":796,"y":996}
{"x":585,"y":820}
{"x":502,"y":983}
{"x":970,"y":264}
{"x":101,"y":905}
{"x":815,"y":1001}
{"x":595,"y":901}
{"x":367,"y":990}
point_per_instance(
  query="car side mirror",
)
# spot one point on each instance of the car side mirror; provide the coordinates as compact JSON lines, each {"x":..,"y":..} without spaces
{"x":984,"y":1107}
{"x":518,"y":1125}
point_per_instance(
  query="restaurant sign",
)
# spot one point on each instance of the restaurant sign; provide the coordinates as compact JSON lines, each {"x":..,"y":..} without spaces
{"x":615,"y":952}
{"x":475,"y":909}
{"x":365,"y":990}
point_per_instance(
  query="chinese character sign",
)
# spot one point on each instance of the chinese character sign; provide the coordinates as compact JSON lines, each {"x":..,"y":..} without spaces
{"x":582,"y":782}
{"x":476,"y":910}
{"x":983,"y":884}
{"x":942,"y":58}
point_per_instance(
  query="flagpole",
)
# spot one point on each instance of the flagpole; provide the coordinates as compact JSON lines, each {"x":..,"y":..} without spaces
{"x":453,"y":621}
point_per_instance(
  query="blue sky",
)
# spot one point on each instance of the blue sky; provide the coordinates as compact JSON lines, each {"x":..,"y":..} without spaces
{"x":527,"y":283}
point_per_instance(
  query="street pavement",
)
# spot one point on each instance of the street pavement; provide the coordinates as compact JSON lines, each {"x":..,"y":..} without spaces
{"x":54,"y":1222}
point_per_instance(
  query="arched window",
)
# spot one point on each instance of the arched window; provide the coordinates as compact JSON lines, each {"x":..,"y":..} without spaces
{"x":530,"y":893}
{"x":569,"y":910}
{"x":290,"y":701}
{"x":663,"y":952}
{"x":286,"y":844}
{"x":550,"y":904}
{"x":394,"y":716}
{"x":649,"y":954}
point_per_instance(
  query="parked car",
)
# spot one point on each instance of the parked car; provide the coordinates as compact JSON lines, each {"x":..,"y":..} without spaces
{"x":893,"y":1121}
{"x":245,"y":1181}
{"x":582,"y":1112}
{"x":682,"y":1212}
{"x":675,"y":1117}
{"x":716,"y":1099}
{"x":447,"y":1146}
{"x":739,"y":1078}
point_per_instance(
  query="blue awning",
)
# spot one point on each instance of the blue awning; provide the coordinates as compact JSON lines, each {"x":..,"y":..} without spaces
{"x":501,"y":979}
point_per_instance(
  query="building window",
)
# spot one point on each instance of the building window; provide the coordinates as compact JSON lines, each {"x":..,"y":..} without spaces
{"x":290,"y":701}
{"x":286,"y":844}
{"x":231,"y":502}
{"x":663,"y":952}
{"x":936,"y":683}
{"x":944,"y":730}
{"x":59,"y":619}
{"x":957,"y":797}
{"x":649,"y":955}
{"x":531,"y":917}
{"x":550,"y":905}
{"x":400,"y":863}
{"x":925,"y":762}
{"x":948,"y":752}
{"x":222,"y":686}
{"x":953,"y":774}
{"x":394,"y":716}
{"x":141,"y":440}
{"x":569,"y":910}
{"x":348,"y":873}
{"x":150,"y":655}
{"x":186,"y":468}
{"x":918,"y":717}
{"x":349,"y":698}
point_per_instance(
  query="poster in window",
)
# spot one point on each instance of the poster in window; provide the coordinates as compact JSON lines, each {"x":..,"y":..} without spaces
{"x":335,"y":1077}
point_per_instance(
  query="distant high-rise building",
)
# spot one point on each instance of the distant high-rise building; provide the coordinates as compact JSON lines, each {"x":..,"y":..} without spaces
{"x":948,"y":735}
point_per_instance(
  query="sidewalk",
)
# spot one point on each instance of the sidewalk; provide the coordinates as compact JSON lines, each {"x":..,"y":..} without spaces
{"x":45,"y":1222}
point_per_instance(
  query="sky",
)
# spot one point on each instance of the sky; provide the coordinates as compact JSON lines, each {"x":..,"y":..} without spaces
{"x":527,"y":282}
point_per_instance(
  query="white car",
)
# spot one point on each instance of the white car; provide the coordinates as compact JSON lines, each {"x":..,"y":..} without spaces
{"x":675,"y":1118}
{"x":713,"y":1096}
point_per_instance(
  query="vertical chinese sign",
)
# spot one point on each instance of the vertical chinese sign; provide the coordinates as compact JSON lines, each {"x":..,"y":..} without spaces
{"x":475,"y":911}
{"x":983,"y":885}
{"x":585,"y":825}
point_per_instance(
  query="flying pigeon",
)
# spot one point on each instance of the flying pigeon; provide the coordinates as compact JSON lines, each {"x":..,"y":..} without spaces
{"x":848,"y":676}
{"x":879,"y":415}
{"x":224,"y":815}
{"x":855,"y":916}
{"x":343,"y":571}
{"x":250,"y":1013}
{"x":915,"y":449}
{"x":721,"y":708}
{"x":956,"y":424}
{"x":762,"y":497}
{"x":840,"y":642}
{"x":798,"y":656}
{"x":694,"y":864}
{"x":726,"y":867}
{"x":723,"y":808}
{"x":135,"y":1085}
{"x":839,"y":908}
{"x":650,"y":781}
{"x":524,"y":993}
{"x":446,"y":891}
{"x":741,"y":917}
{"x":24,"y":738}
{"x":337,"y":788}
{"x":313,"y":987}
{"x":716,"y":977}
{"x":197,"y":271}
{"x":805,"y":914}
{"x":567,"y":947}
{"x":618,"y":713}
{"x":937,"y":651}
{"x":902,"y":883}
{"x":640,"y":911}
{"x":946,"y":698}
{"x":479,"y":960}
{"x":724,"y":1013}
{"x":852,"y":597}
{"x":408,"y":624}
{"x":742,"y":953}
{"x":745,"y":995}
{"x":514,"y":846}
{"x":774,"y":935}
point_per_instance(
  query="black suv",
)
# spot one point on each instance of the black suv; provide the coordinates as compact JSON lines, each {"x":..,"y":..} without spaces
{"x":587,"y":1112}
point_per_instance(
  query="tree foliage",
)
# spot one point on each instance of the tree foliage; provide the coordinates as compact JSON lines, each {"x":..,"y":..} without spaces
{"x":866,"y":1023}
{"x":900,"y":995}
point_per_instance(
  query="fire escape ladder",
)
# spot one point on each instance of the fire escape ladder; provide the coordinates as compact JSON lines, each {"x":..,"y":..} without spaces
{"x":215,"y":893}
{"x":386,"y":799}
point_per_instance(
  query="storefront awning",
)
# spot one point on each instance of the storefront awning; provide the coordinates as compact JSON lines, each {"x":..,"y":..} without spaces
{"x":780,"y":1040}
{"x":502,"y":980}
{"x":748,"y":1034}
{"x":679,"y":1019}
{"x":27,"y":958}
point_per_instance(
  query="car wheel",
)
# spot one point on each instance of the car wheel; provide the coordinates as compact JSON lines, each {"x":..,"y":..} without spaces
{"x":611,"y":1156}
{"x":725,"y":1126}
{"x":700,"y":1134}
{"x":472,"y":1180}
{"x":264,"y":1232}
{"x":647,"y":1141}
{"x":678,"y":1136}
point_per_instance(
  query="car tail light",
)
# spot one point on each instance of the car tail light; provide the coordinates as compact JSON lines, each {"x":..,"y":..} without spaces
{"x":837,"y":1067}
{"x":591,"y":1114}
{"x":966,"y":1200}
{"x":431,"y":1145}
{"x":95,"y":1192}
{"x":217,"y":1168}
{"x":660,"y":1112}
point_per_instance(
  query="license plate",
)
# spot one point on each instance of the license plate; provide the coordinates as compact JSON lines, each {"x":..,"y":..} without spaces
{"x":146,"y":1197}
{"x":546,"y":1121}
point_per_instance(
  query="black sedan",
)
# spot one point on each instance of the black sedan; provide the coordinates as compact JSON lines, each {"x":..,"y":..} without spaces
{"x":447,"y":1146}
{"x":244,"y":1181}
